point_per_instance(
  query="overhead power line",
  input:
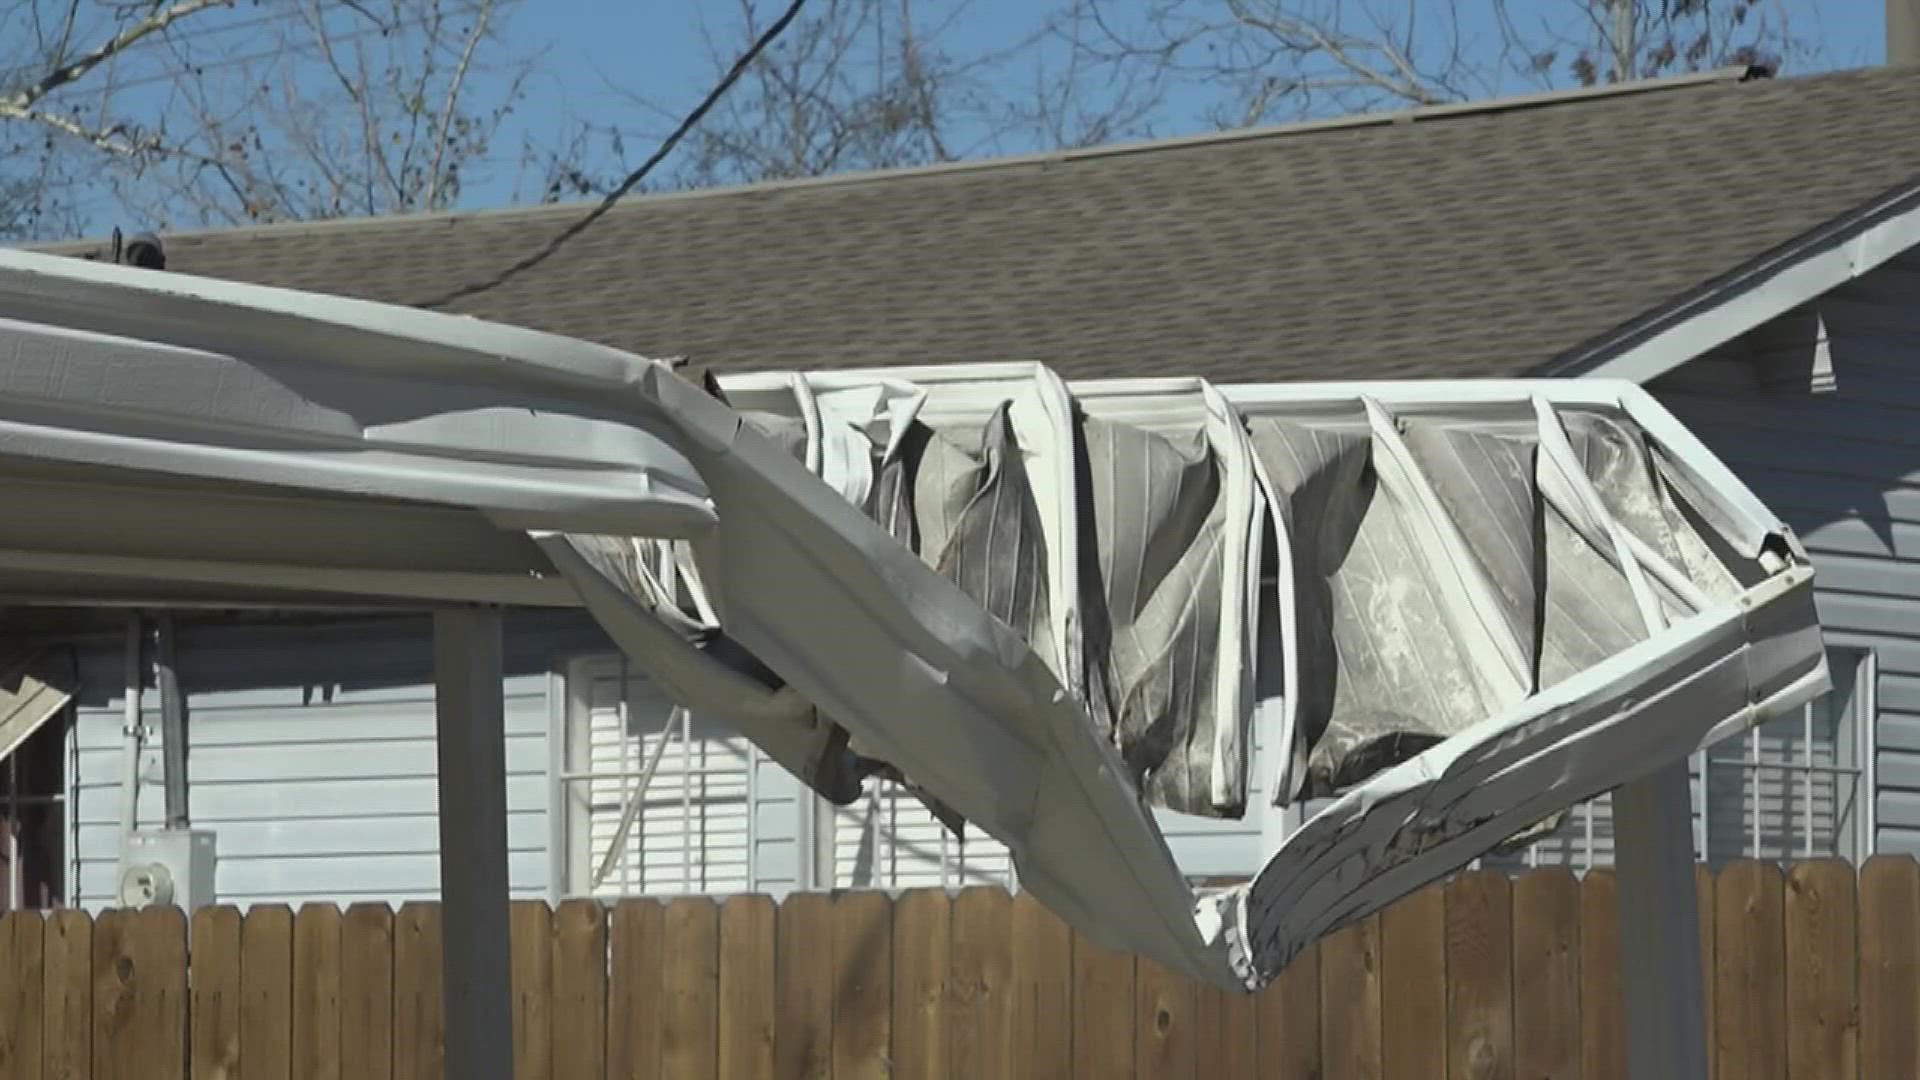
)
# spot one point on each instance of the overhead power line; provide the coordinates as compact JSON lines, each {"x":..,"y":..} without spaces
{"x":633,"y":178}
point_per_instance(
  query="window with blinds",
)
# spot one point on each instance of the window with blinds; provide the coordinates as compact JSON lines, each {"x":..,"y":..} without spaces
{"x":689,"y":830}
{"x":1793,"y":788}
{"x":888,"y":840}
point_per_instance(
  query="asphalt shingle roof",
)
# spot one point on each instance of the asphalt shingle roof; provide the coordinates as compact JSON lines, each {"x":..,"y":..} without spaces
{"x":1465,"y":243}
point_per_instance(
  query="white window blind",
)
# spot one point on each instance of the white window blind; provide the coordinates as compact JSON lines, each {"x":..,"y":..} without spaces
{"x":691,"y":831}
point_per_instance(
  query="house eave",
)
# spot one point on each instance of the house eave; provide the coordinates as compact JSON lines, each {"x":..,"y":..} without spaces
{"x":1847,"y":248}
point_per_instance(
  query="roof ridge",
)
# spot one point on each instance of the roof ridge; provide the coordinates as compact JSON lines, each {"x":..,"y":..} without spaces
{"x":1041,"y":159}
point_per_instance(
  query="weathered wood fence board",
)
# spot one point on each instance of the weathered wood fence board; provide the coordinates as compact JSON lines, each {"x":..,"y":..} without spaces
{"x":1813,"y":971}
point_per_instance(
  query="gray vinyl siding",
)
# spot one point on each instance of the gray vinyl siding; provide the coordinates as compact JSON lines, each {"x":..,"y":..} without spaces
{"x":1842,"y":468}
{"x":311,"y":757}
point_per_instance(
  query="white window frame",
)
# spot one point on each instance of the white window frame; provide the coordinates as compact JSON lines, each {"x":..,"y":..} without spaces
{"x":570,"y":774}
{"x":1855,"y":674}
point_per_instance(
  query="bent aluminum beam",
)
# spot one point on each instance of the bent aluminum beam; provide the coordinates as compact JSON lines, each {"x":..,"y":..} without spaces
{"x":393,"y":419}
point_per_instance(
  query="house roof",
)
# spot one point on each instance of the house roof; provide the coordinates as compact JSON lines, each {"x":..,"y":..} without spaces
{"x":1470,"y":241}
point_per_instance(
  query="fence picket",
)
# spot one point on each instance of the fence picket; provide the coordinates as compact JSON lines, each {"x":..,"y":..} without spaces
{"x":419,"y":1013}
{"x":803,"y":988}
{"x":979,"y":968}
{"x":1750,"y":994}
{"x":634,"y":994}
{"x":1704,"y":885}
{"x":215,"y":993}
{"x":1350,"y":1035}
{"x":690,"y":989}
{"x":1163,"y":1023}
{"x":1821,"y":953}
{"x":1288,"y":1021}
{"x":316,"y":993}
{"x":140,"y":995}
{"x":22,"y":970}
{"x":862,"y":985}
{"x":1889,"y":967}
{"x":746,"y":988}
{"x":1224,"y":1033}
{"x":1041,"y":991}
{"x":576,"y":1019}
{"x":1603,"y":1039}
{"x":1413,"y":984}
{"x":67,"y":1022}
{"x":1814,"y":972}
{"x":530,"y":927}
{"x":1102,"y":1010}
{"x":1480,"y":975}
{"x":266,"y":993}
{"x":1546,"y":975}
{"x":922,"y":941}
{"x":366,"y":992}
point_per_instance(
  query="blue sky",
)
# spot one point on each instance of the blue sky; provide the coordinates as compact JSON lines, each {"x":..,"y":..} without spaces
{"x":595,"y":58}
{"x":654,"y":50}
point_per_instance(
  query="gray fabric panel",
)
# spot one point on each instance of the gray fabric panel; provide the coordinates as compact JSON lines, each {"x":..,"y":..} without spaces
{"x":971,"y":516}
{"x":1151,"y":605}
{"x":979,"y":523}
{"x":1625,"y":472}
{"x":1484,"y":478}
{"x":1382,"y":676}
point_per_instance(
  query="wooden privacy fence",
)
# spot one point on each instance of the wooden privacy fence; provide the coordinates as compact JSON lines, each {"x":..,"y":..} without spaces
{"x":1811,"y":973}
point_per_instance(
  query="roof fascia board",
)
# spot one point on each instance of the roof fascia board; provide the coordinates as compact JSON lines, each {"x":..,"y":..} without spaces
{"x":1846,"y":249}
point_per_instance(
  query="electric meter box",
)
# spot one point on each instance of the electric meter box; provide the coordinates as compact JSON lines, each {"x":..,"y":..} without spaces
{"x":167,"y":868}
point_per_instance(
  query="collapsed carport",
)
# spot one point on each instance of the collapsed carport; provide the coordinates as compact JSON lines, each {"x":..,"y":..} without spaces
{"x":1458,"y":607}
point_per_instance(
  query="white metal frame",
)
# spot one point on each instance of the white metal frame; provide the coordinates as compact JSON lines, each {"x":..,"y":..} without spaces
{"x":372,"y":409}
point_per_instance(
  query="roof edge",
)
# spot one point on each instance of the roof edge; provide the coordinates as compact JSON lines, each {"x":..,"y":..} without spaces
{"x":1764,"y":289}
{"x":1042,"y":159}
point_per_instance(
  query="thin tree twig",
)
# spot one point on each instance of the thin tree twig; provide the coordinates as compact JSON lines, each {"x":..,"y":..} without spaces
{"x":453,"y":99}
{"x":633,"y":178}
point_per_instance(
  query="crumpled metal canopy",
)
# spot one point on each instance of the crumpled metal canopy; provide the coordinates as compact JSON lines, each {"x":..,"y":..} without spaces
{"x":1455,"y":608}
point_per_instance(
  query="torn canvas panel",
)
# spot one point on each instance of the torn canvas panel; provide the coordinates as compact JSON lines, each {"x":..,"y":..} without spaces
{"x":1384,"y":671}
{"x":1151,"y":605}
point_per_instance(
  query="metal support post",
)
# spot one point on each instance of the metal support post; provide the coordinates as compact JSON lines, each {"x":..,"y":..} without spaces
{"x":470,"y":713}
{"x":1660,"y":927}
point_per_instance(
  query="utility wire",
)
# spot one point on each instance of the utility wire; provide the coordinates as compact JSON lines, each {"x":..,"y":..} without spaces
{"x":633,"y":178}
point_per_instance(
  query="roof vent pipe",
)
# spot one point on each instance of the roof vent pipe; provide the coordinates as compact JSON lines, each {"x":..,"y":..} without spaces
{"x":1903,"y":31}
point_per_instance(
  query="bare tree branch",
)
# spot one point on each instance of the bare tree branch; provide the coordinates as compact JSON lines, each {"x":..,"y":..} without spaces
{"x":19,"y":105}
{"x":434,"y":175}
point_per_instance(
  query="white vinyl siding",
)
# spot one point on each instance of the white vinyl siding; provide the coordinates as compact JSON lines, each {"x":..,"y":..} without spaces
{"x":311,"y":758}
{"x":1843,"y":468}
